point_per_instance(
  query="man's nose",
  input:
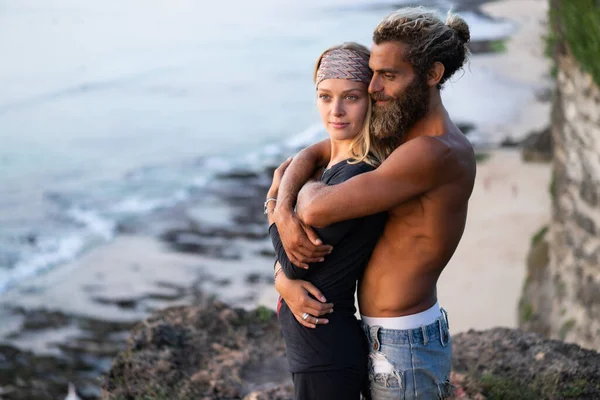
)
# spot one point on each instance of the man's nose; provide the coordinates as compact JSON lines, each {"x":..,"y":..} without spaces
{"x":375,"y":86}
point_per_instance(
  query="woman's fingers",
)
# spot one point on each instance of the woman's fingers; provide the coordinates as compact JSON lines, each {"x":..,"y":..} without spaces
{"x":317,"y":294}
{"x":311,"y":321}
{"x":304,"y":323}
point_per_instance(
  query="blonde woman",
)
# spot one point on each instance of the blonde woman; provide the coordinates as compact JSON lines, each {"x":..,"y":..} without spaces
{"x":330,"y":362}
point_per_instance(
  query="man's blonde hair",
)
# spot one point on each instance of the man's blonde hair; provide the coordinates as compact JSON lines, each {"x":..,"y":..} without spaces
{"x":364,"y":147}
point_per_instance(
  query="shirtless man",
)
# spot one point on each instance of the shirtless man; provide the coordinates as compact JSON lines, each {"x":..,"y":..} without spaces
{"x":425,"y":185}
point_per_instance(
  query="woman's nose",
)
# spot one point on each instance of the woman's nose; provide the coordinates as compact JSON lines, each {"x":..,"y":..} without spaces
{"x":338,"y":108}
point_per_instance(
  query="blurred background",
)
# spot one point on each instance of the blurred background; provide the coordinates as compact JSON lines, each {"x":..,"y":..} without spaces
{"x":138,"y":139}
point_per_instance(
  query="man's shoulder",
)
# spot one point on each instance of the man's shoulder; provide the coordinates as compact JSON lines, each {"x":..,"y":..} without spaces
{"x":423,"y":149}
{"x":439,"y":150}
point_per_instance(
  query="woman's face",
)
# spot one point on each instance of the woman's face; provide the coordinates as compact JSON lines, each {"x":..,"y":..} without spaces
{"x":343,"y":105}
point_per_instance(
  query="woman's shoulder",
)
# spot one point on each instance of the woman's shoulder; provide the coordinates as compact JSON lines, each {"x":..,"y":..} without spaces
{"x":345,"y":170}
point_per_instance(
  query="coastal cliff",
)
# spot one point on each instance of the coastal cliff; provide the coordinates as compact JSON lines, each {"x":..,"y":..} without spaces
{"x":561,"y":297}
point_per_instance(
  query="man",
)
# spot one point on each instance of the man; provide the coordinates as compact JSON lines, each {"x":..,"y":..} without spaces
{"x":424,"y":185}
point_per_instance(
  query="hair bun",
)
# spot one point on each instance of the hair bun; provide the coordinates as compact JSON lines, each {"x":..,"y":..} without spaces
{"x":460,"y":27}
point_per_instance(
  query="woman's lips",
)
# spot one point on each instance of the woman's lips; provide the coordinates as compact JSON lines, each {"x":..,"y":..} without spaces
{"x":339,"y":125}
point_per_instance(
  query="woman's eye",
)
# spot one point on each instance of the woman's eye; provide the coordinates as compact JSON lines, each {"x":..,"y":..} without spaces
{"x":324,"y":96}
{"x":351,"y":97}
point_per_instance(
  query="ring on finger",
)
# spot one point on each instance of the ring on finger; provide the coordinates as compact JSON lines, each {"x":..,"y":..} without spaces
{"x":305,"y":316}
{"x":316,"y":321}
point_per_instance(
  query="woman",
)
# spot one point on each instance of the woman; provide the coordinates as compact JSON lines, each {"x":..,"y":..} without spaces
{"x":330,"y":362}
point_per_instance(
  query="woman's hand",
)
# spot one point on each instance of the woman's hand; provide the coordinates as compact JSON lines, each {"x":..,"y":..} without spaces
{"x":296,"y":296}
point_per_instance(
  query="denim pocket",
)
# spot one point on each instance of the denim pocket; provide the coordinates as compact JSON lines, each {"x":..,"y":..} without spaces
{"x":387,"y":386}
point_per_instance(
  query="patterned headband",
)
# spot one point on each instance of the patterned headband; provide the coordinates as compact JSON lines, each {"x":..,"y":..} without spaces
{"x":344,"y":64}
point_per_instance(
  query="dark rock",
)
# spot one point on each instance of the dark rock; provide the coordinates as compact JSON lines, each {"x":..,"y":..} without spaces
{"x":203,"y":352}
{"x":191,"y":241}
{"x":465,"y":127}
{"x":487,"y":46}
{"x":238,"y":175}
{"x":544,"y":95}
{"x":538,"y":146}
{"x":253,"y":278}
{"x":84,"y":357}
{"x":215,"y":352}
{"x":509,"y":142}
{"x":511,"y":364}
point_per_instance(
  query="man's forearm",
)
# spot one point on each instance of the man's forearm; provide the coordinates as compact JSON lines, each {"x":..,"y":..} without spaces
{"x":305,"y":199}
{"x":299,"y":172}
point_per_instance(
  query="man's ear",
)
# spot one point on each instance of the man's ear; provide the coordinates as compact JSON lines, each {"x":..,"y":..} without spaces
{"x":435,"y":74}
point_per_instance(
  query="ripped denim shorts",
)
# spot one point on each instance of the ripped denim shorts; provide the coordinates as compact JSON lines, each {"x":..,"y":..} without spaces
{"x":419,"y":362}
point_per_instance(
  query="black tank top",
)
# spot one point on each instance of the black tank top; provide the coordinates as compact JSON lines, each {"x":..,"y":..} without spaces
{"x":339,"y":344}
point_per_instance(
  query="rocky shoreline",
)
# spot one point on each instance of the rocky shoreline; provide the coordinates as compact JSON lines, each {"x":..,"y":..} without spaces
{"x":216,"y":352}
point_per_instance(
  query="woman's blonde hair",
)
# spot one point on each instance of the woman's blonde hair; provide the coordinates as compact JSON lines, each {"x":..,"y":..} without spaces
{"x":365,"y":147}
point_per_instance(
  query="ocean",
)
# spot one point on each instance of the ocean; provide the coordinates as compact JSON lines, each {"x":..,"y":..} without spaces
{"x":119,"y":109}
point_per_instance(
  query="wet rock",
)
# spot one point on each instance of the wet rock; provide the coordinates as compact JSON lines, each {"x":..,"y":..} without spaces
{"x":509,"y":142}
{"x":253,"y":278}
{"x":190,"y":241}
{"x":239,"y":175}
{"x":465,"y":127}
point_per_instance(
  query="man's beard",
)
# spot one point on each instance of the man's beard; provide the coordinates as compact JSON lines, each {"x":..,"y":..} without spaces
{"x":395,"y":118}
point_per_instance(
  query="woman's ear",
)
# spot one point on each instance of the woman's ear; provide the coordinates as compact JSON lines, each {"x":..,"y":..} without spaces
{"x":435,"y":74}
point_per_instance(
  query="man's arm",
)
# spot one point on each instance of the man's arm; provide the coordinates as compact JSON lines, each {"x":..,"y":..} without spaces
{"x":300,"y":242}
{"x":299,"y":172}
{"x":414,"y":168}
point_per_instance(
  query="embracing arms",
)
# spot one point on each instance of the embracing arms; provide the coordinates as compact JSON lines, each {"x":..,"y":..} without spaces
{"x":411,"y":170}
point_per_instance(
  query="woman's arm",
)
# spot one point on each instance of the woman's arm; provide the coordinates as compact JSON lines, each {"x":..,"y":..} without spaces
{"x":299,"y":172}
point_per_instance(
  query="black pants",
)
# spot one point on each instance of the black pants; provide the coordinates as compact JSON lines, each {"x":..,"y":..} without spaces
{"x":342,"y":384}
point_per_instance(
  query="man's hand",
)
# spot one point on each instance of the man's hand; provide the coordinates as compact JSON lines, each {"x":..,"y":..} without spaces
{"x":301,"y":243}
{"x":296,"y":296}
{"x":277,"y":176}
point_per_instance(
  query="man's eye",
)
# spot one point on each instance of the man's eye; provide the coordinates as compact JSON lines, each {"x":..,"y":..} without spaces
{"x":389,"y":76}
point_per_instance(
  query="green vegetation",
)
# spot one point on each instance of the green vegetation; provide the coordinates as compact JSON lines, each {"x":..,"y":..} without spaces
{"x":566,"y":328}
{"x":539,"y":235}
{"x":481,"y":157}
{"x":495,"y":388}
{"x":577,"y":24}
{"x":498,"y":46}
{"x":552,"y":187}
{"x":264,"y":314}
{"x":526,"y":310}
{"x":575,"y":389}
